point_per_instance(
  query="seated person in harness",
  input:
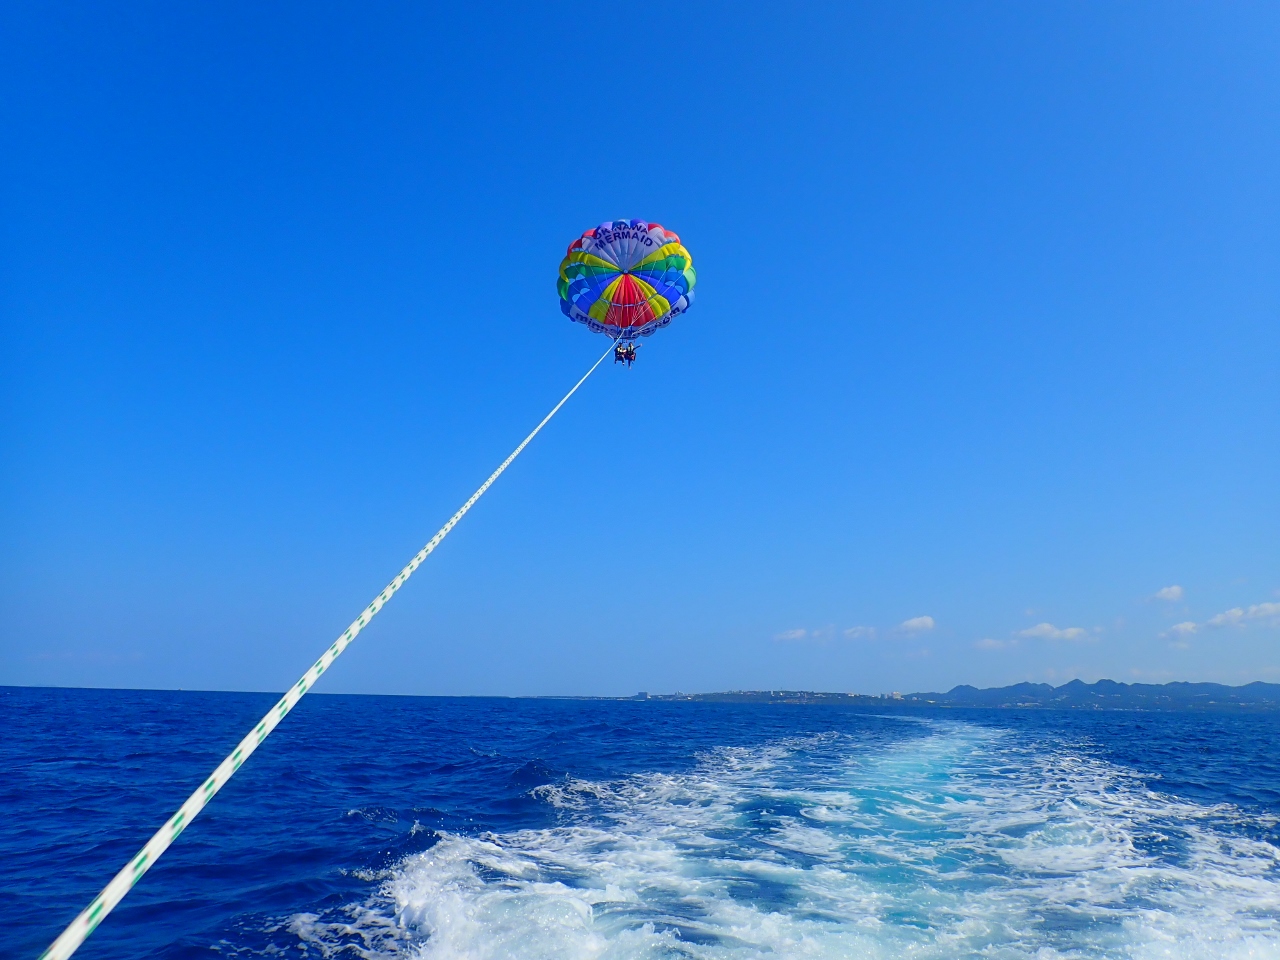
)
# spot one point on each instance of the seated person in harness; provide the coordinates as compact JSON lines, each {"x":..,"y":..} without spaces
{"x":620,"y":352}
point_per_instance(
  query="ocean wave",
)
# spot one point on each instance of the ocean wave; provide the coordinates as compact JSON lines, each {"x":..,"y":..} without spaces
{"x":967,"y":842}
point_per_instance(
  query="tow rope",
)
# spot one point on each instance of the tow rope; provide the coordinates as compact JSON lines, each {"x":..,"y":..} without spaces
{"x":92,"y":915}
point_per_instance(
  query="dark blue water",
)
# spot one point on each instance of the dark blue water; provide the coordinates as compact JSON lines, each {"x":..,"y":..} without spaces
{"x":386,"y":826}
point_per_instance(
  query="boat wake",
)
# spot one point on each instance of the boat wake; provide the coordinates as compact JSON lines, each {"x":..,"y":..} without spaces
{"x":967,"y":842}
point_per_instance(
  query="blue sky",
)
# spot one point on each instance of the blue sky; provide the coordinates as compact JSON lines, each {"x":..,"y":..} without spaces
{"x":985,"y":353}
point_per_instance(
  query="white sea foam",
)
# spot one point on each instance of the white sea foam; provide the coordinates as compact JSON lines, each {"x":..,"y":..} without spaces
{"x":966,"y":842}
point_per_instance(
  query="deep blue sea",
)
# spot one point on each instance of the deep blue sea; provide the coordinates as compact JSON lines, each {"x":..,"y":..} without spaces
{"x":379,"y":827}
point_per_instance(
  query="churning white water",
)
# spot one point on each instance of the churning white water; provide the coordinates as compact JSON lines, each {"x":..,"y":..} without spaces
{"x":968,"y":842}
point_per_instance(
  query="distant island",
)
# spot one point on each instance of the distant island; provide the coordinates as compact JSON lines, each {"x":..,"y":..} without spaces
{"x":1076,"y":695}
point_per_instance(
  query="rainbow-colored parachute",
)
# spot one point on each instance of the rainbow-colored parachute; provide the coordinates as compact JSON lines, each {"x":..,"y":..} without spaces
{"x":626,"y":278}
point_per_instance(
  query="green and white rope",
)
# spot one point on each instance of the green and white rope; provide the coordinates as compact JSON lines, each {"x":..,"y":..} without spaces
{"x":83,"y":925}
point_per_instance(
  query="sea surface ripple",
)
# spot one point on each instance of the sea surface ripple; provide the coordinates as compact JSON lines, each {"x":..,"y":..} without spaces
{"x":381,"y":827}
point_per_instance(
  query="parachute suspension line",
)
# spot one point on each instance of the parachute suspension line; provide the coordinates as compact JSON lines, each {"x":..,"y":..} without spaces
{"x":83,"y":925}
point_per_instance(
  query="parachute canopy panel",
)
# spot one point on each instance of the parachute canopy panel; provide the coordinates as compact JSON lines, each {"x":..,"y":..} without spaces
{"x":626,"y":278}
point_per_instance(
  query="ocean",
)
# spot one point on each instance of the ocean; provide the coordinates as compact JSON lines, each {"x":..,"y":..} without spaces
{"x":380,"y":827}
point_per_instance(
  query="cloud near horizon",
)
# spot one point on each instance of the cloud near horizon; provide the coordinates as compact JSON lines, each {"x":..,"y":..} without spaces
{"x":1047,"y":631}
{"x":1239,"y":616}
{"x":1180,"y":633}
{"x":815,"y":635}
{"x":917,"y":624}
{"x":1234,"y":617}
{"x":859,"y":632}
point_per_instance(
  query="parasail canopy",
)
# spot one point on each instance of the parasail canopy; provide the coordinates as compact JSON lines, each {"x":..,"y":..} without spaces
{"x":626,"y":278}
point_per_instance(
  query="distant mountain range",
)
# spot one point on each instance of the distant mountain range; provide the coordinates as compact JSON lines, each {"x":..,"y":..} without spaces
{"x":1110,"y":695}
{"x":1076,"y":695}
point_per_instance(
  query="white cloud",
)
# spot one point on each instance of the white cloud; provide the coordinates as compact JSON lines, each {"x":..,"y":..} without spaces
{"x":1235,"y":617}
{"x":1048,"y":631}
{"x":1239,"y":616}
{"x":991,"y":643}
{"x":1169,"y":593}
{"x":1179,"y":635}
{"x":1227,"y":618}
{"x":811,"y":635}
{"x":860,"y":633}
{"x":917,"y":624}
